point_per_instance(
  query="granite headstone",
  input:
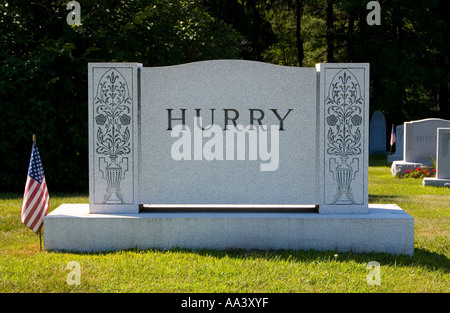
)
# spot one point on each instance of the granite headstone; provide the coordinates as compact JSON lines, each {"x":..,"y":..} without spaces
{"x":398,"y":154}
{"x":228,"y":132}
{"x":377,"y":133}
{"x":442,"y":178}
{"x":226,"y":154}
{"x":419,"y":146}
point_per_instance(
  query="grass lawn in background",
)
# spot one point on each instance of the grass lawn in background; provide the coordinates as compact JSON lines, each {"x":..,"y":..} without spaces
{"x":23,"y":268}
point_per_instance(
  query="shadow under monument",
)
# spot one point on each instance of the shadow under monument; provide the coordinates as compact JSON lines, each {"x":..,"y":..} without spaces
{"x":421,"y":256}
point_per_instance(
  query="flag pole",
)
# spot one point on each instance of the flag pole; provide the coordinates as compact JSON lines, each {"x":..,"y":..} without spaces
{"x":40,"y":240}
{"x":40,"y":231}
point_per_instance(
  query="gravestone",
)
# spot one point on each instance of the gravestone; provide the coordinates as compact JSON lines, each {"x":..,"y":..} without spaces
{"x":229,"y":154}
{"x":221,"y":124}
{"x":398,"y":155}
{"x":377,"y":133}
{"x":419,"y":146}
{"x":442,"y":178}
{"x":235,"y":129}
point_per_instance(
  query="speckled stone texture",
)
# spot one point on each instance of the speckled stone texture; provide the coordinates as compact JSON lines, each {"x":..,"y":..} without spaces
{"x":113,"y":137}
{"x":386,"y":228}
{"x":343,"y":137}
{"x":228,"y":87}
{"x":442,"y":178}
{"x":419,"y":143}
{"x":160,"y":136}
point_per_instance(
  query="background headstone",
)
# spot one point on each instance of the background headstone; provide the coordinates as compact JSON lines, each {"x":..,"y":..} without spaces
{"x":398,"y":155}
{"x":377,"y":133}
{"x":419,"y":146}
{"x":442,"y":160}
{"x":420,"y":140}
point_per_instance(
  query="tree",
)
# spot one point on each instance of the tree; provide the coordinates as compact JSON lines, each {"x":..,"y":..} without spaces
{"x":43,"y":78}
{"x":330,"y":30}
{"x":247,"y":18}
{"x":299,"y":13}
{"x":408,"y":52}
{"x":404,"y":56}
{"x":282,"y":17}
{"x":299,"y":47}
{"x":443,"y":52}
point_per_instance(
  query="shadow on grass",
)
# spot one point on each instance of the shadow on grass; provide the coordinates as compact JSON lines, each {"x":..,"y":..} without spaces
{"x":378,"y":160}
{"x":5,"y":195}
{"x":10,"y":195}
{"x":421,"y":258}
{"x":386,"y":199}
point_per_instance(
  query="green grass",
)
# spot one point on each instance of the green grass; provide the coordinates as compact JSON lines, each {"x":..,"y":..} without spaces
{"x":430,"y":206}
{"x":23,"y":268}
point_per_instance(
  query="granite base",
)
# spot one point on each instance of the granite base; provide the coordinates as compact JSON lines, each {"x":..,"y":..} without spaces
{"x":436,"y":182}
{"x":400,"y":167}
{"x":386,"y":228}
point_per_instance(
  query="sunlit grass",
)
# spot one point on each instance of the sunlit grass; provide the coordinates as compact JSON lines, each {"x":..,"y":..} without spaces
{"x":23,"y":268}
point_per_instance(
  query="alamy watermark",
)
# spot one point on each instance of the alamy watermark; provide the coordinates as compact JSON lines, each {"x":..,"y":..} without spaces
{"x":374,"y":16}
{"x":74,"y":17}
{"x":74,"y":277}
{"x":374,"y":276}
{"x":263,"y":143}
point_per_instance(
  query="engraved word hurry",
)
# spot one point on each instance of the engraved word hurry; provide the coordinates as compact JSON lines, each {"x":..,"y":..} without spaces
{"x":263,"y":142}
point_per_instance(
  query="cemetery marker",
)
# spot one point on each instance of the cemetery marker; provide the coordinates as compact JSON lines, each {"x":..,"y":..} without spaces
{"x":229,"y":154}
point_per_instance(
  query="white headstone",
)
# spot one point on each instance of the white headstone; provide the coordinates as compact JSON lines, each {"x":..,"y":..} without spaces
{"x":228,"y":132}
{"x":442,"y":160}
{"x":419,"y":146}
{"x":343,"y":138}
{"x":443,"y":154}
{"x":398,"y":155}
{"x":420,"y":139}
{"x":113,"y":137}
{"x":196,"y":142}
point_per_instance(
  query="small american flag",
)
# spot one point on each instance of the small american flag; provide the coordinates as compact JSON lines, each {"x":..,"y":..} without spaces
{"x":35,"y":197}
{"x":393,"y":138}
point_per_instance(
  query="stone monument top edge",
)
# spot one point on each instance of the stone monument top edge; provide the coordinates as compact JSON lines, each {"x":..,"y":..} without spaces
{"x":114,"y":64}
{"x":228,"y":62}
{"x":319,"y":66}
{"x":427,"y":120}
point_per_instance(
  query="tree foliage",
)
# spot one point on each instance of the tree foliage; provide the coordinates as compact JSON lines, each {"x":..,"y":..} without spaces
{"x":43,"y":60}
{"x":408,"y":53}
{"x":43,"y":71}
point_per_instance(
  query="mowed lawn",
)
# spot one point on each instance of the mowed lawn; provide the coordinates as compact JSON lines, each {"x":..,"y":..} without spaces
{"x":23,"y":268}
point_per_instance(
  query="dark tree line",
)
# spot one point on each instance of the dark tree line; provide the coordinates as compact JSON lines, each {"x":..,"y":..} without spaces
{"x":43,"y":71}
{"x":43,"y":60}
